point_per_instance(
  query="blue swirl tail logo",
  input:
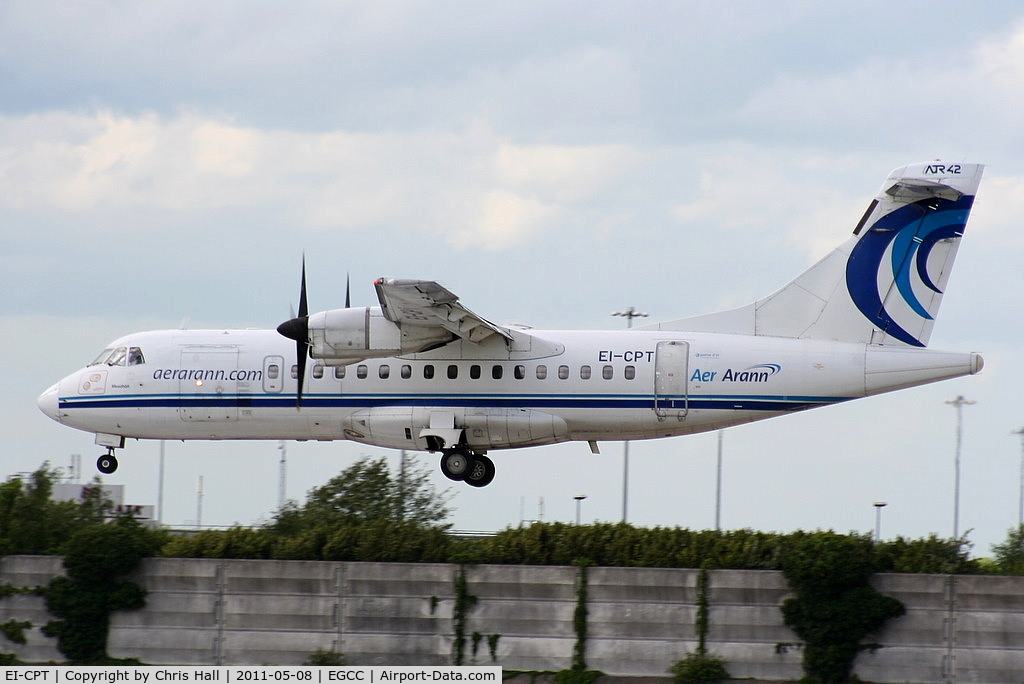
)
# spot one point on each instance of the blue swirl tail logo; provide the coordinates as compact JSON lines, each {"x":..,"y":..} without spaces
{"x":912,"y":231}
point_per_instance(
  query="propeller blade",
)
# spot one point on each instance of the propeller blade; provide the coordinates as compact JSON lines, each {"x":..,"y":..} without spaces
{"x":303,"y":306}
{"x":348,"y":290}
{"x":300,"y":355}
{"x":297,"y":329}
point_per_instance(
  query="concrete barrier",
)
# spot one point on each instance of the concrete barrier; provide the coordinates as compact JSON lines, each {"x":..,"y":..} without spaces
{"x":29,"y":571}
{"x":640,"y":620}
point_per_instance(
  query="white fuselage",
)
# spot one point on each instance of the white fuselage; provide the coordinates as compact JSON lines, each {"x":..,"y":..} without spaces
{"x":423,"y":372}
{"x":551,"y":386}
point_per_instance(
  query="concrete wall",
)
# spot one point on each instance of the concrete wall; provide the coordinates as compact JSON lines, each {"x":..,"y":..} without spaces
{"x":640,"y":620}
{"x":29,"y":571}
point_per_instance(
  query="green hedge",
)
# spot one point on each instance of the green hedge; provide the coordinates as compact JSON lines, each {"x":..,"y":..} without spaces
{"x":379,"y":540}
{"x":602,"y":544}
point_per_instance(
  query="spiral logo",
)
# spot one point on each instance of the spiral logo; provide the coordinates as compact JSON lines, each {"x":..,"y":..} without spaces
{"x":908,"y":236}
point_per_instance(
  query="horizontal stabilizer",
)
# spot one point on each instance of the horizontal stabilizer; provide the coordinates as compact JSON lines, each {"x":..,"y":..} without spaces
{"x":913,"y":189}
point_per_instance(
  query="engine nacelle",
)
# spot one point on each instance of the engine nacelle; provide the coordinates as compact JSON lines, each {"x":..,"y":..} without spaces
{"x":348,"y":335}
{"x":408,"y":427}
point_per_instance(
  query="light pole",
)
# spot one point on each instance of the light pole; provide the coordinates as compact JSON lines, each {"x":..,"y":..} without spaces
{"x":629,"y":314}
{"x":718,"y":485}
{"x":579,"y":500}
{"x":959,"y":403}
{"x":160,"y":488}
{"x":75,"y":468}
{"x":1020,"y":505}
{"x":282,"y":475}
{"x":401,"y":484}
{"x":199,"y":503}
{"x":879,"y":505}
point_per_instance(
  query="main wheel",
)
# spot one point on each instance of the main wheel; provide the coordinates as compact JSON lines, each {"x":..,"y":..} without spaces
{"x":106,"y":464}
{"x":455,"y":464}
{"x":481,"y":473}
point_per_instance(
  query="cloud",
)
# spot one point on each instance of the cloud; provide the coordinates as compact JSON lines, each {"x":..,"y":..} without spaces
{"x":1002,"y":60}
{"x":942,"y":102}
{"x":222,"y":150}
{"x":79,"y":163}
{"x":767,"y":194}
{"x":505,"y":219}
{"x":999,"y":208}
{"x":564,"y":173}
{"x":473,"y":188}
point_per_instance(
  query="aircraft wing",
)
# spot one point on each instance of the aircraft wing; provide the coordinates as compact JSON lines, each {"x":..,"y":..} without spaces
{"x":425,"y":303}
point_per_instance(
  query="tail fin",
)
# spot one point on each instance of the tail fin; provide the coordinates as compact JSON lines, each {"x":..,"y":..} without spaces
{"x":885,"y":284}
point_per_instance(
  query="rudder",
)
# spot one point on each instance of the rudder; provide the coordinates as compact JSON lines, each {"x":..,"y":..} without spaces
{"x":899,"y":268}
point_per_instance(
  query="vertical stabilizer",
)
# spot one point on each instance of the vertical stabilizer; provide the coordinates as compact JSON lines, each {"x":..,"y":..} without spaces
{"x":885,"y":284}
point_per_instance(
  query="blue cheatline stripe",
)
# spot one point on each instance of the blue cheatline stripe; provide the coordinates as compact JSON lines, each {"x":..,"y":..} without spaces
{"x":538,"y":402}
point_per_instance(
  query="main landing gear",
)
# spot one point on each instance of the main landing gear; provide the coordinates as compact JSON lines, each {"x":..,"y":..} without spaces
{"x":461,"y":464}
{"x":106,"y":463}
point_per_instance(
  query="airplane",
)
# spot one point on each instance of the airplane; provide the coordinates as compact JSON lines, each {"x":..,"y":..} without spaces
{"x":422,"y":372}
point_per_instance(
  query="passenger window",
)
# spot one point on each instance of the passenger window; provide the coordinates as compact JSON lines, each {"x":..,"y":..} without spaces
{"x":406,"y":372}
{"x":361,"y":371}
{"x":542,"y":372}
{"x":135,"y":357}
{"x":563,"y":372}
{"x":474,"y":372}
{"x":318,"y":371}
{"x":584,"y":372}
{"x":607,"y":372}
{"x":428,"y":371}
{"x":630,"y":372}
{"x":295,"y":372}
{"x":384,"y":371}
{"x":519,"y":372}
{"x":453,"y":372}
{"x":339,"y":372}
{"x":497,"y":372}
{"x":273,"y":371}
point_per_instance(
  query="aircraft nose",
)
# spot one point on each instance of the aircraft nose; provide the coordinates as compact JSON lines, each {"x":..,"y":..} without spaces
{"x":48,"y":402}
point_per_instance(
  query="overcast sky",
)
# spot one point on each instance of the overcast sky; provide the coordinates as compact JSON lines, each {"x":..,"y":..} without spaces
{"x":167,"y":164}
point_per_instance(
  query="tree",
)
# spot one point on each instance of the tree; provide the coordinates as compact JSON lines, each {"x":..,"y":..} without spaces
{"x":367,"y":492}
{"x":96,"y":558}
{"x":97,"y":553}
{"x":1010,"y":554}
{"x":32,"y":523}
{"x":25,"y":508}
{"x":835,"y":606}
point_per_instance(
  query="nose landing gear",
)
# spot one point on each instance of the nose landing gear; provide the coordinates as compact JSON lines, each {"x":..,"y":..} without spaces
{"x":462,"y":464}
{"x":107,"y":463}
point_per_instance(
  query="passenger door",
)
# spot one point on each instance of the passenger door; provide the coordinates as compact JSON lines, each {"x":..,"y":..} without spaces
{"x":208,"y":384}
{"x":671,"y":364}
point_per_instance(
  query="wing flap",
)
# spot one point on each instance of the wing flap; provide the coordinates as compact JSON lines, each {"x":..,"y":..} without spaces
{"x":426,"y":303}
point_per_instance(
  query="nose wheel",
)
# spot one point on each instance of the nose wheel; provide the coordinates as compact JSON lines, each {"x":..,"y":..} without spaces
{"x":463,"y":465}
{"x":106,"y":463}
